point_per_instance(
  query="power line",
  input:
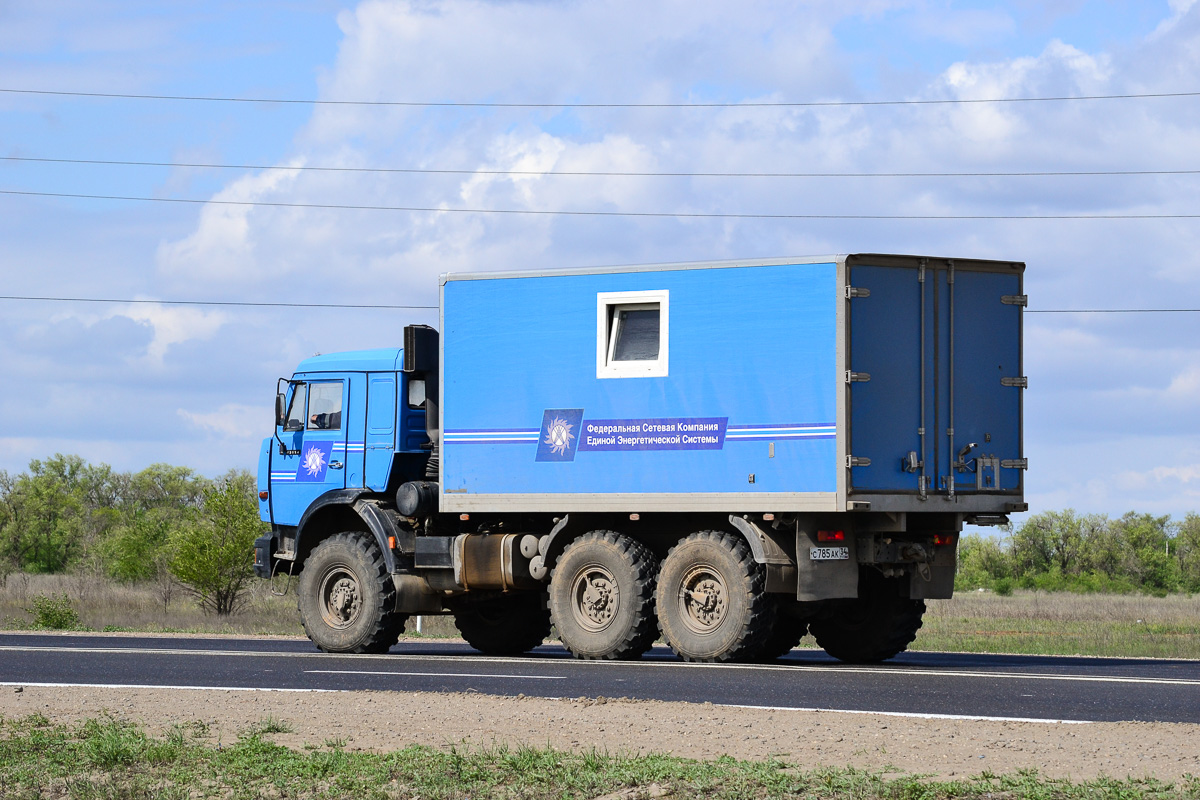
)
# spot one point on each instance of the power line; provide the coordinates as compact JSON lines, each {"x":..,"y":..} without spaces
{"x":120,"y":301}
{"x":424,"y":171}
{"x":1112,"y":310}
{"x":569,"y":213}
{"x":206,"y":302}
{"x":455,"y":104}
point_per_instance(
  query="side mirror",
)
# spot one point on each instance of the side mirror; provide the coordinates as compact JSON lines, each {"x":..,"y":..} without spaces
{"x":279,"y":411}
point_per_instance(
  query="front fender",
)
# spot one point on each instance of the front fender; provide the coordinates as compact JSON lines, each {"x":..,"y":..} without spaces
{"x":348,"y":509}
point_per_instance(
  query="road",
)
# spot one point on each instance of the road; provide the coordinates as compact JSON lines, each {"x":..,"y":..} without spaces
{"x":913,"y":684}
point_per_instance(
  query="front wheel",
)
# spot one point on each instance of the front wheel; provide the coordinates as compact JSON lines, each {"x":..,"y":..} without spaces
{"x":346,"y":597}
{"x":712,"y":603}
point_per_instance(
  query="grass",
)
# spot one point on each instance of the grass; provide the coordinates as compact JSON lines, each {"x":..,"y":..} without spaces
{"x":1026,"y":622}
{"x":105,"y":605}
{"x":106,"y":758}
{"x":1064,"y":623}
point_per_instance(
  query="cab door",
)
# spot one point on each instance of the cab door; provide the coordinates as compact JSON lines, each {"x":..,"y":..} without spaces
{"x":380,"y":441}
{"x":314,"y":435}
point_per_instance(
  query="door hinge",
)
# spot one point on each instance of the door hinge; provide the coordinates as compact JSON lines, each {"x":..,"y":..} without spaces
{"x":1021,"y":300}
{"x":855,"y":461}
{"x":857,"y":377}
{"x":1020,"y":383}
{"x":1015,"y":463}
{"x":854,"y":291}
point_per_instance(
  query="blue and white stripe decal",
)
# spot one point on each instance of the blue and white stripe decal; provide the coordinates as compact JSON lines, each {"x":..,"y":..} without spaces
{"x":281,"y":476}
{"x":734,"y":433}
{"x":498,"y":436}
{"x":774,"y":433}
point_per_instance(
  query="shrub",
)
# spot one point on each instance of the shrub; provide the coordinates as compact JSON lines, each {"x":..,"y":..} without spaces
{"x":1004,"y":586}
{"x":214,"y":556}
{"x":53,"y":612}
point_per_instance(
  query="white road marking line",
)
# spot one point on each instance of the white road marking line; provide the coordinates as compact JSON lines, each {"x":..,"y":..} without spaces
{"x":896,"y":670}
{"x":159,"y":686}
{"x":434,"y":674}
{"x":912,"y":715}
{"x":917,"y":715}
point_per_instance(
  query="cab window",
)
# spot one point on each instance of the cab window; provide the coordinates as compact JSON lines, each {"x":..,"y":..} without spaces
{"x":325,"y":406}
{"x":295,"y":414}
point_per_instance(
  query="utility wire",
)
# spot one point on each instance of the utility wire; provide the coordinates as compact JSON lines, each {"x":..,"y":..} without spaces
{"x":449,"y":104}
{"x":420,"y":171}
{"x":560,"y":212}
{"x":1112,"y":310}
{"x":119,"y":301}
{"x":206,"y":302}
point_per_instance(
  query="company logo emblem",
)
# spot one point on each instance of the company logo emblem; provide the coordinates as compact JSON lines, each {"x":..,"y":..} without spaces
{"x":559,"y":435}
{"x":314,"y":462}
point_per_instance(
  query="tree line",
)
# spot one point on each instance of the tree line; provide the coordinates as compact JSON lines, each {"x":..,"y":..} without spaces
{"x":171,"y":526}
{"x":1066,"y":550}
{"x":165,"y":524}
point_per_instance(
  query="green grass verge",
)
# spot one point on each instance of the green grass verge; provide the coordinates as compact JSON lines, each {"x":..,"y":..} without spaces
{"x":1064,"y":623}
{"x":105,"y":758}
{"x":1025,"y":636}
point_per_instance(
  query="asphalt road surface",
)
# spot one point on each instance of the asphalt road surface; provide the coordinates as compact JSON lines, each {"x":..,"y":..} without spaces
{"x":912,"y":684}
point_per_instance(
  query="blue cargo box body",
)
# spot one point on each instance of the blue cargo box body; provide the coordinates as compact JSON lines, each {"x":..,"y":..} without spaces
{"x":746,"y":407}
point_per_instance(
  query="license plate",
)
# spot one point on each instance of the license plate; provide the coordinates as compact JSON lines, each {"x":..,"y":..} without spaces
{"x":828,"y":553}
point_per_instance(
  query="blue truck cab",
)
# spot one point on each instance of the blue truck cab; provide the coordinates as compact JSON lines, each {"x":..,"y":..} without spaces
{"x":344,"y":429}
{"x":732,"y":454}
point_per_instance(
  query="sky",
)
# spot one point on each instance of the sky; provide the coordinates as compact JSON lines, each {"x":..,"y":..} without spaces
{"x":1111,"y":409}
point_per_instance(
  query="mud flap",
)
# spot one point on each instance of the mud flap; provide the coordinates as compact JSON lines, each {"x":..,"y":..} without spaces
{"x":934,"y":581}
{"x":824,"y":580}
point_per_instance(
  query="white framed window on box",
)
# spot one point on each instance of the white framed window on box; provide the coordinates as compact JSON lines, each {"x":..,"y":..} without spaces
{"x":632,"y":334}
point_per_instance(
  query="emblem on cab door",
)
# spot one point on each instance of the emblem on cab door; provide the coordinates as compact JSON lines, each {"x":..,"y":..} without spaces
{"x":314,"y":462}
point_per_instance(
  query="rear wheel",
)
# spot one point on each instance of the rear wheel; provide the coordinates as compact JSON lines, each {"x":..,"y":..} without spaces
{"x":346,"y":597}
{"x":788,"y":630}
{"x":602,"y":596}
{"x":504,"y":625}
{"x":875,"y":626}
{"x":712,"y":604}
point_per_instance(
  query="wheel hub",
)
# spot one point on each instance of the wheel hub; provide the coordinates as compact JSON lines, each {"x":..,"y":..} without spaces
{"x":705,"y":600}
{"x":597,"y":598}
{"x":341,"y":598}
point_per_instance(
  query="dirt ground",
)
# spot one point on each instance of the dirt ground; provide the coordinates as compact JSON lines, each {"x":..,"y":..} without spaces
{"x":381,"y":721}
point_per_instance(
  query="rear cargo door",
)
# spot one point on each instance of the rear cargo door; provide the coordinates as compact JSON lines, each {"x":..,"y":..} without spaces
{"x":934,"y":376}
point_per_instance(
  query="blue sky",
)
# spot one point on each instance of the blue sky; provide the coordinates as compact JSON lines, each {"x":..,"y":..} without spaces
{"x":1111,"y":409}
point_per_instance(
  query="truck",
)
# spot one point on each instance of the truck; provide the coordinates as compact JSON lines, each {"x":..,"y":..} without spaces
{"x":728,"y":455}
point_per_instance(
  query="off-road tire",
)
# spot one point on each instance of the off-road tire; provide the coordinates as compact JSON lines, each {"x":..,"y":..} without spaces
{"x":602,"y":596}
{"x":346,"y":597}
{"x":874,"y":627}
{"x":712,"y":600}
{"x":504,"y":625}
{"x":785,"y":634}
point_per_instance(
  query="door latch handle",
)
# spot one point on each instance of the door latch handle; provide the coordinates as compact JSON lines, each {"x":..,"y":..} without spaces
{"x":335,"y":465}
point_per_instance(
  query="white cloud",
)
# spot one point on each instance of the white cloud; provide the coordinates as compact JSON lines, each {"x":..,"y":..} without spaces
{"x":231,"y":420}
{"x":222,"y":249}
{"x":1179,"y":9}
{"x":171,"y":325}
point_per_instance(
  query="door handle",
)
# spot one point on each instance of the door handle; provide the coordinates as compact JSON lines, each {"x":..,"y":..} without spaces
{"x":335,"y":465}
